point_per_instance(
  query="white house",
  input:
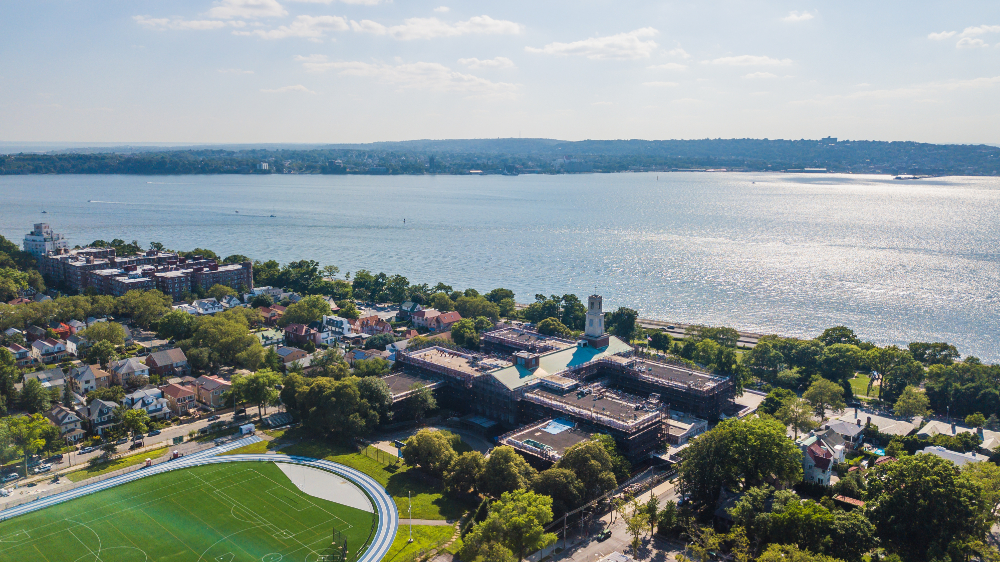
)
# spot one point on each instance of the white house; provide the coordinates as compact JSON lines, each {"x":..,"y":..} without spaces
{"x":337,"y":326}
{"x":207,"y":306}
{"x":959,"y":459}
{"x":48,"y":350}
{"x":126,"y":368}
{"x":820,"y":450}
{"x":149,"y":399}
{"x":82,"y":379}
{"x":77,"y":345}
{"x":186,"y":308}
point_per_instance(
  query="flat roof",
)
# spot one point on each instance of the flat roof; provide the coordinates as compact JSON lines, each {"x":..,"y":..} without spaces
{"x":553,"y":362}
{"x":527,"y":338}
{"x":604,"y":401}
{"x":683,"y":375}
{"x":449,"y":359}
{"x":557,"y":442}
{"x":402,"y":382}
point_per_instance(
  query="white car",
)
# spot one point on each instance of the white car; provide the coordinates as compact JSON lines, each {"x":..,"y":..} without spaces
{"x":4,"y":492}
{"x":43,"y":468}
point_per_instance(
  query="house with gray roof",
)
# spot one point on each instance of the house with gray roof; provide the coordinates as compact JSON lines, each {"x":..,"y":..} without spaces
{"x":960,"y":459}
{"x":151,"y":400}
{"x":124,"y":369}
{"x":100,"y":414}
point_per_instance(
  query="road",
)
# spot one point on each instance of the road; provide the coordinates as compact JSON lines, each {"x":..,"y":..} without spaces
{"x":675,"y":329}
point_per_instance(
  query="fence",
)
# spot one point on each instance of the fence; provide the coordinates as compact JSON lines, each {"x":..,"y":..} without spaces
{"x":381,"y":456}
{"x":35,"y":496}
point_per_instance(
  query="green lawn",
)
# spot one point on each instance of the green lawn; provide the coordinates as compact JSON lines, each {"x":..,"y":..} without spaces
{"x":426,"y":494}
{"x":105,"y":467}
{"x":425,"y":537}
{"x":859,"y":385}
{"x":222,"y":512}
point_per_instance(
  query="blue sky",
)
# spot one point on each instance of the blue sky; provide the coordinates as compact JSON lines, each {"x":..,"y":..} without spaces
{"x":369,"y":70}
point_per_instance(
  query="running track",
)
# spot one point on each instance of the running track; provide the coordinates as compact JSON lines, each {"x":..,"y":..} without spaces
{"x":388,"y":516}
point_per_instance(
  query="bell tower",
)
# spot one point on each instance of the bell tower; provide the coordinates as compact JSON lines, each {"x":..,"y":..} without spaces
{"x":595,"y":318}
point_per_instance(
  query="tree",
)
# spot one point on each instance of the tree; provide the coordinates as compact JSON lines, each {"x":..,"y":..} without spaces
{"x":775,"y":400}
{"x":987,"y":476}
{"x":330,"y":407}
{"x":376,"y":392}
{"x":379,"y":341}
{"x":661,"y":340}
{"x":975,"y":420}
{"x":464,"y":472}
{"x":912,"y":402}
{"x":764,"y":360}
{"x":562,"y":486}
{"x":517,"y":521}
{"x":176,"y":325}
{"x":371,"y":367}
{"x":420,"y":402}
{"x":35,"y":398}
{"x":499,"y":294}
{"x":738,"y":454}
{"x":797,"y":413}
{"x":553,"y":327}
{"x":464,"y":334}
{"x":923,"y":507}
{"x":635,"y":521}
{"x":825,"y":395}
{"x":308,"y":310}
{"x":331,"y":363}
{"x":25,"y":434}
{"x":652,"y":509}
{"x":473,"y":306}
{"x":505,"y":471}
{"x":132,"y":421}
{"x":940,"y":353}
{"x":261,"y":300}
{"x":430,"y":450}
{"x":441,"y":302}
{"x":112,"y":393}
{"x":260,"y":389}
{"x":574,"y":313}
{"x":592,"y":465}
{"x":726,"y":337}
{"x":792,"y":553}
{"x":839,"y":335}
{"x":839,"y":361}
{"x":348,"y":310}
{"x":103,"y":353}
{"x":111,"y":332}
{"x":666,"y":519}
{"x":219,"y":292}
{"x":144,"y":307}
{"x":621,"y":323}
{"x":619,"y":464}
{"x":236,"y":258}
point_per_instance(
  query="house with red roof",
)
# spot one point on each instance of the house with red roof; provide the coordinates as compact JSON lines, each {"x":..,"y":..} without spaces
{"x":372,"y":325}
{"x":443,"y":321}
{"x":300,"y":334}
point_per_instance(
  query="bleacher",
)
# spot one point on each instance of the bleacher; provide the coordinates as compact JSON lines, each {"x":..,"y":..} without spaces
{"x":278,"y":420}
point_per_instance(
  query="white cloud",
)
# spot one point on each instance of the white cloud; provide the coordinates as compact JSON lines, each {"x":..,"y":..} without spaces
{"x":310,"y":58}
{"x":969,"y":43}
{"x":679,"y":52}
{"x":430,"y":76}
{"x":311,"y":27}
{"x":979,"y":30}
{"x":368,"y":26}
{"x":361,"y":2}
{"x":442,"y":9}
{"x":603,"y":103}
{"x":940,"y":35}
{"x":660,"y":84}
{"x":232,"y":9}
{"x":498,"y":62}
{"x":284,"y":89}
{"x":916,"y":91}
{"x":197,"y":25}
{"x":760,"y":75}
{"x":234,"y":71}
{"x":621,"y":46}
{"x":429,"y":28}
{"x":668,"y":66}
{"x":750,"y":60}
{"x":794,"y":16}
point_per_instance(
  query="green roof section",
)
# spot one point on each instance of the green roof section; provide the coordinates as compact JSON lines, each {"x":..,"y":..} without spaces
{"x":553,"y":362}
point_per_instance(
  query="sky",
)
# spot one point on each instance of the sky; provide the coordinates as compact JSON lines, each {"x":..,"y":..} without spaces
{"x":308,"y":71}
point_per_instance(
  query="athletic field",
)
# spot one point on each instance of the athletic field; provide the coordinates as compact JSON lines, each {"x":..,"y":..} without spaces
{"x":227,"y":512}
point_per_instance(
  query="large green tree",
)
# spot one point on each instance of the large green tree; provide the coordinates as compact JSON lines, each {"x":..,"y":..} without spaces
{"x":309,"y":309}
{"x":739,"y":454}
{"x":505,"y":471}
{"x":431,"y":450}
{"x":562,"y":486}
{"x":825,"y":395}
{"x":592,"y":465}
{"x":517,"y":521}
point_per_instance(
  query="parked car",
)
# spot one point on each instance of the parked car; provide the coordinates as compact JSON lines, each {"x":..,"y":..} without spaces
{"x":43,"y":468}
{"x":122,"y":441}
{"x":241,"y":411}
{"x":86,"y":450}
{"x":10,"y":477}
{"x":153,"y":433}
{"x":55,"y":459}
{"x":34,"y":462}
{"x":4,"y":493}
{"x":604,"y":535}
{"x":213,"y":418}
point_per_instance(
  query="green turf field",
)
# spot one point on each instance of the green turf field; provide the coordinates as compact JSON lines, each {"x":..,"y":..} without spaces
{"x":232,"y":512}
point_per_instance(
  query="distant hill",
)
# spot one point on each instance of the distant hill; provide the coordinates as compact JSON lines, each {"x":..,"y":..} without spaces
{"x":510,"y":155}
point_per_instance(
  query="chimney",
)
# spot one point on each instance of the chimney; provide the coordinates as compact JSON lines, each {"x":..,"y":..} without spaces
{"x":855,"y":411}
{"x":859,"y":422}
{"x":979,"y":431}
{"x":869,"y":422}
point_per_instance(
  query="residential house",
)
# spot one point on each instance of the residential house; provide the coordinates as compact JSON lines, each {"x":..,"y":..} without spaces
{"x":40,"y":297}
{"x":289,"y":355}
{"x":49,"y":378}
{"x":48,"y":350}
{"x":11,"y":332}
{"x":22,"y":355}
{"x":988,"y":440}
{"x":207,"y":306}
{"x":886,"y":425}
{"x":298,"y":334}
{"x":229,"y":301}
{"x":102,"y":378}
{"x":100,"y":414}
{"x":76,"y":326}
{"x":326,"y":335}
{"x":68,"y":423}
{"x":35,"y":333}
{"x":209,"y":390}
{"x":272,"y":292}
{"x":124,"y":369}
{"x":91,"y":320}
{"x":396,"y":347}
{"x":372,"y":325}
{"x":407,"y":309}
{"x":82,"y":378}
{"x":61,"y":330}
{"x":270,"y":337}
{"x":820,"y":450}
{"x":186,"y":308}
{"x":421,"y":318}
{"x":77,"y":345}
{"x":19,"y":300}
{"x":359,"y":355}
{"x":960,"y":459}
{"x":151,"y":400}
{"x":169,"y":363}
{"x":443,"y":321}
{"x":337,"y":326}
{"x":180,"y":399}
{"x":851,"y":433}
{"x":271,"y":314}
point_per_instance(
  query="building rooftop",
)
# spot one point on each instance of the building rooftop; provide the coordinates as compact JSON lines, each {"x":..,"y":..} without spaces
{"x":466,"y":364}
{"x":677,"y":374}
{"x":957,"y":458}
{"x":401,"y":383}
{"x":554,"y":362}
{"x":551,"y":436}
{"x":601,"y":401}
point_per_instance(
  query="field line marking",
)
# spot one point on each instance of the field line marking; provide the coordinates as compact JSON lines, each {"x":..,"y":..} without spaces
{"x":96,"y":555}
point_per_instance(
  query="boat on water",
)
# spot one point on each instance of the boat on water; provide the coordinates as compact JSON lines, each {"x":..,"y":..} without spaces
{"x":272,"y":216}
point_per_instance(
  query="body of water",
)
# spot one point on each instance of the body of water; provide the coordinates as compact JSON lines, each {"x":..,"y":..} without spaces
{"x":897,"y":261}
